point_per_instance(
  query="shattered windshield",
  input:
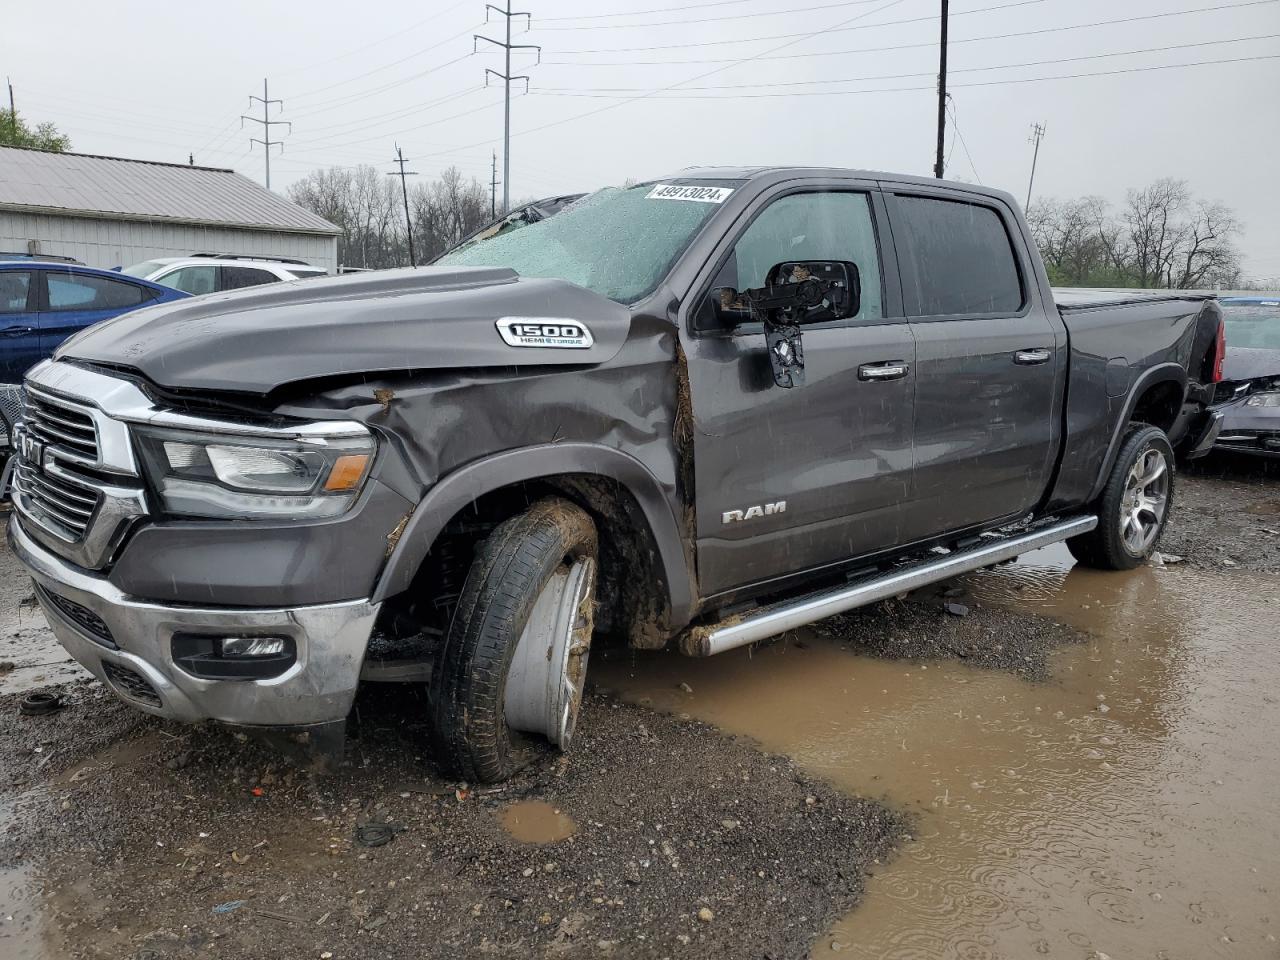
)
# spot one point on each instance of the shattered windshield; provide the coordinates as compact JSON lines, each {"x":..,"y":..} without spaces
{"x":619,"y":242}
{"x":1255,"y":325}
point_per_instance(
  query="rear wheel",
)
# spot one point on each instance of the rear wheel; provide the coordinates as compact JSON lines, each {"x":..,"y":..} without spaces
{"x":510,"y":674}
{"x":1134,"y":505}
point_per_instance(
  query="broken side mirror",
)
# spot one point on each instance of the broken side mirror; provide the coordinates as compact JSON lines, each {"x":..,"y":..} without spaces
{"x":797,"y":292}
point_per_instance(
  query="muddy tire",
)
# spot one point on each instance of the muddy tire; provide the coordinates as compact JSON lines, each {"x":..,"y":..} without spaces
{"x":1135,"y":503}
{"x":531,"y":582}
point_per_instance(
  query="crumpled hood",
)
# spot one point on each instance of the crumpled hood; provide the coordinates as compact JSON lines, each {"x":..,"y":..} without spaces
{"x":391,"y":320}
{"x":1249,"y":363}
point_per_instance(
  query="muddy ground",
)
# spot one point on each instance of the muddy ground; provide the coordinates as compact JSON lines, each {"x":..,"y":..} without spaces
{"x":126,"y":837}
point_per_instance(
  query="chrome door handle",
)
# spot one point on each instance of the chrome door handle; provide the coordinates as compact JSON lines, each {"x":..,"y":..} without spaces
{"x":16,"y":331}
{"x":1032,"y":356}
{"x":885,"y":370}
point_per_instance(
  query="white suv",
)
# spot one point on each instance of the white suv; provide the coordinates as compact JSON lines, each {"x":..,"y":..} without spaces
{"x":213,"y":272}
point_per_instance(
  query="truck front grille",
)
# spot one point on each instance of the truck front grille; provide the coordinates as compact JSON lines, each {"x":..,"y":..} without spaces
{"x":67,"y":500}
{"x":61,"y":424}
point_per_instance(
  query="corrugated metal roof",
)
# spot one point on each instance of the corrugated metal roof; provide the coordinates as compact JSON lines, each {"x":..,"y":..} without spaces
{"x":138,"y":189}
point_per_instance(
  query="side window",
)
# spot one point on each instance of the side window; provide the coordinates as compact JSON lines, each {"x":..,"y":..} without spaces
{"x":193,"y":280}
{"x":807,"y":226}
{"x":15,"y":285}
{"x":963,"y":262}
{"x":70,"y":291}
{"x":234,"y":278}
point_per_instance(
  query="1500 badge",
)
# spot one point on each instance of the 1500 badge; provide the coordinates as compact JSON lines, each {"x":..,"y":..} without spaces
{"x":545,"y":332}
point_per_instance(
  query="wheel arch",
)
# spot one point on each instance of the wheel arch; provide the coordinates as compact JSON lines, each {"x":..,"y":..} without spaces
{"x":569,"y":467}
{"x":1156,"y":397}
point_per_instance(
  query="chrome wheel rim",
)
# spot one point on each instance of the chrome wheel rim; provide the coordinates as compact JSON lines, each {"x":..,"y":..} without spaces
{"x":549,"y":666}
{"x":1145,"y":501}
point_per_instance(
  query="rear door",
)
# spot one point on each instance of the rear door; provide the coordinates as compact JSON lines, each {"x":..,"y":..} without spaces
{"x":990,"y":360}
{"x":73,"y":301}
{"x":236,"y":278}
{"x":19,"y":324}
{"x":788,"y":480}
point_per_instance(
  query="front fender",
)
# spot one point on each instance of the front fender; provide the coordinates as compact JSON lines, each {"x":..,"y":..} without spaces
{"x":466,"y":484}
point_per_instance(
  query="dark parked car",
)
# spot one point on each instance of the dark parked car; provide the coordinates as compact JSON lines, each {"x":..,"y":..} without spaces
{"x":1250,"y":391}
{"x":703,"y":410}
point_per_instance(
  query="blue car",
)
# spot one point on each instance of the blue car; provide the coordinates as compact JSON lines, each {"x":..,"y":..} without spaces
{"x":44,"y":302}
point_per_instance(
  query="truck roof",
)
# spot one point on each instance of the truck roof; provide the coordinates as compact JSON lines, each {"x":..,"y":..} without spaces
{"x":780,"y":173}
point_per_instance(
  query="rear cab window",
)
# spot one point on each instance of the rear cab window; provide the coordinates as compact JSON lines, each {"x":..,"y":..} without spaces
{"x":958,"y":259}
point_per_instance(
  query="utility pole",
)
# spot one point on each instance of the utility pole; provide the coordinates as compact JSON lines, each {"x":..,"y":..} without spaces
{"x":1037,"y":134}
{"x":267,"y":124}
{"x":493,"y":188}
{"x":939,"y":164}
{"x":13,"y":113}
{"x":191,"y":159}
{"x":506,"y":78}
{"x":404,"y":191}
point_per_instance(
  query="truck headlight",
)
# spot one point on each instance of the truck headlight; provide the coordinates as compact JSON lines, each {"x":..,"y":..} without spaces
{"x":253,"y":478}
{"x":1270,"y":399}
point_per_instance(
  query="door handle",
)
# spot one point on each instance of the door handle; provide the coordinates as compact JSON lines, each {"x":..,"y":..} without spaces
{"x":884,"y":370}
{"x":1032,"y":356}
{"x":16,"y":331}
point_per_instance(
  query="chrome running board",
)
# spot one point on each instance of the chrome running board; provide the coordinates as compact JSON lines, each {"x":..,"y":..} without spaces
{"x":780,"y":617}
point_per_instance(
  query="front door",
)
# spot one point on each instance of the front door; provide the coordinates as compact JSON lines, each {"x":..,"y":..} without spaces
{"x":788,"y":480}
{"x":990,"y":362}
{"x":19,"y":324}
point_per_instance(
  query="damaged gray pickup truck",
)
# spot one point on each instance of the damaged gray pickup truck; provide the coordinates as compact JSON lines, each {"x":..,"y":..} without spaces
{"x":702,"y":410}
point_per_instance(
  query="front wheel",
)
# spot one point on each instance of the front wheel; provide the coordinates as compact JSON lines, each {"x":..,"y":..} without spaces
{"x":1134,"y":506}
{"x":515,"y":653}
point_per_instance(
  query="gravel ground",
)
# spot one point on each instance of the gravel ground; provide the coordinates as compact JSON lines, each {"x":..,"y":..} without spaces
{"x":139,"y":829}
{"x":1227,"y":513}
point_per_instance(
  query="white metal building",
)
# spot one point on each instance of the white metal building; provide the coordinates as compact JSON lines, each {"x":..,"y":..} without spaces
{"x":109,"y":212}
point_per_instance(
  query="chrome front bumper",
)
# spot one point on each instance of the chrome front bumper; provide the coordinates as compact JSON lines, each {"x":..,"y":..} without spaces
{"x":318,"y":688}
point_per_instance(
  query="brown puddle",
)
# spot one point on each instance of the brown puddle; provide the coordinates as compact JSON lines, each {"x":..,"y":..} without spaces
{"x":1045,"y":824}
{"x":535,"y":821}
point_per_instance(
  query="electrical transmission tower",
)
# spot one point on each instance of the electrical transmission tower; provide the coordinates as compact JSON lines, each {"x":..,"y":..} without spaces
{"x":1037,"y":134}
{"x":506,"y":78}
{"x":404,"y":191}
{"x":267,"y":124}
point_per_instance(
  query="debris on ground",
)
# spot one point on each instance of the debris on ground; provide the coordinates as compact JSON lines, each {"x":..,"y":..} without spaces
{"x":39,"y":704}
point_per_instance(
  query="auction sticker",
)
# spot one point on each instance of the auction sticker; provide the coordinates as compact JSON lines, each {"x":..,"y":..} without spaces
{"x":674,"y":191}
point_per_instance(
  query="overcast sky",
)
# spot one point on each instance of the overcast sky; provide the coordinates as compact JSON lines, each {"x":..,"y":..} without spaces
{"x":640,"y":88}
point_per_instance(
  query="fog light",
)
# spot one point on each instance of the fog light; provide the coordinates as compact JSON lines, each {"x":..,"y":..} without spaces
{"x":252,"y":646}
{"x":212,"y":657}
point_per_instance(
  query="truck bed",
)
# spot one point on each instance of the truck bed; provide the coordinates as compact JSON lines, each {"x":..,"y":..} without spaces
{"x":1091,"y":298}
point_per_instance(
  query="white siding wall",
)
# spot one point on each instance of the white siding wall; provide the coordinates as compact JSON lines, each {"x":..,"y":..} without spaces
{"x":110,"y":243}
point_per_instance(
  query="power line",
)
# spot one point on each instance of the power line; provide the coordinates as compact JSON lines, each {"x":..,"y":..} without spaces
{"x":706,"y":73}
{"x":328,"y":105}
{"x":717,"y":19}
{"x":955,"y":125}
{"x":434,"y":18}
{"x":929,"y":73}
{"x":267,"y":124}
{"x":980,"y":83}
{"x":836,"y":28}
{"x":643,"y":13}
{"x":833,"y":53}
{"x":506,"y":79}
